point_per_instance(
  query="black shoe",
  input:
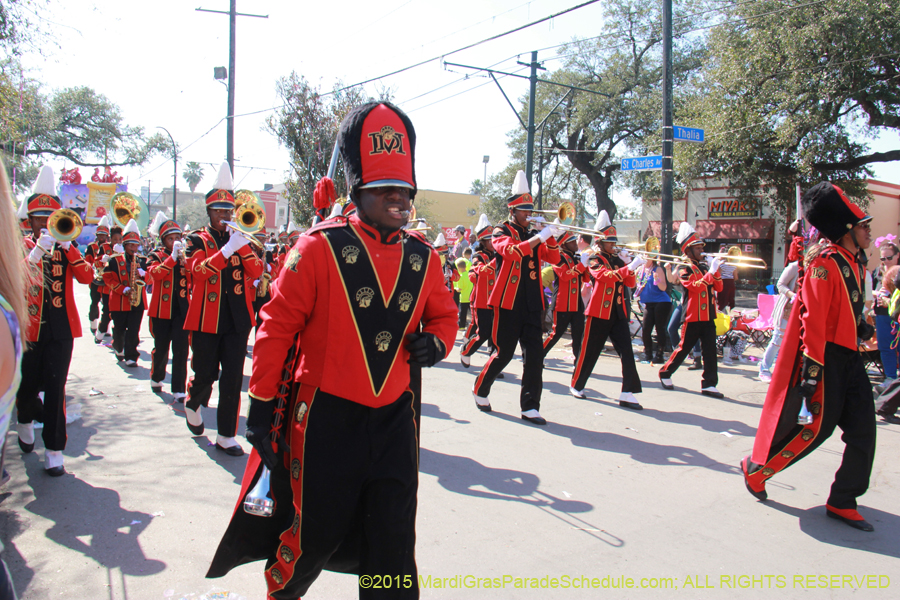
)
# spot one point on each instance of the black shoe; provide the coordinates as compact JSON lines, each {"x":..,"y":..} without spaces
{"x":890,"y":418}
{"x":26,"y":448}
{"x":56,"y":471}
{"x":195,"y":429}
{"x":664,"y":385}
{"x":713,"y":393}
{"x":631,"y":405}
{"x":745,"y":469}
{"x":535,"y":420}
{"x":696,"y":366}
{"x":231,"y":450}
{"x":855,"y":524}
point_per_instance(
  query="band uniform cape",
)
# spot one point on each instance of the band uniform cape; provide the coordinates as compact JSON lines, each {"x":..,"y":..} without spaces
{"x":833,"y":289}
{"x":351,"y":320}
{"x":52,"y":289}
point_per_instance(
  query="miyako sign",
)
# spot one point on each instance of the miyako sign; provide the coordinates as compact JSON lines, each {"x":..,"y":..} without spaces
{"x":733,"y":208}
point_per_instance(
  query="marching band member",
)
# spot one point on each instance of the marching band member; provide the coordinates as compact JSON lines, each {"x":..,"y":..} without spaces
{"x":443,"y":250}
{"x":124,"y":275}
{"x":518,"y":301}
{"x":220,"y":313}
{"x":52,"y":327}
{"x":169,"y":307}
{"x":94,"y":254}
{"x":700,"y":282}
{"x":607,"y":316}
{"x":482,"y":274}
{"x":345,"y":486}
{"x":569,"y":308}
{"x":820,"y":380}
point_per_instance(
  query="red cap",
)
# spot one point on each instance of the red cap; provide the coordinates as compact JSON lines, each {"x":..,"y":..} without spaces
{"x":384,"y":150}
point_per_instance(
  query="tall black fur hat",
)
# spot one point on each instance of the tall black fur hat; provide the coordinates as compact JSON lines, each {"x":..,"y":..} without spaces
{"x":378,"y":147}
{"x":828,"y":209}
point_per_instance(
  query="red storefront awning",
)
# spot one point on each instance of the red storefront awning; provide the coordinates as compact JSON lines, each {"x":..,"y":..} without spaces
{"x":725,"y":229}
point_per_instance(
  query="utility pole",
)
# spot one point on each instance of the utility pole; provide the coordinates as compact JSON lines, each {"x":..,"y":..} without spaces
{"x":174,"y":176}
{"x":665,"y":225}
{"x":232,"y":34}
{"x":530,"y":128}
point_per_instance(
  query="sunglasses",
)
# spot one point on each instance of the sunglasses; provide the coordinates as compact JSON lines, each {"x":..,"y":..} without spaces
{"x":887,"y":258}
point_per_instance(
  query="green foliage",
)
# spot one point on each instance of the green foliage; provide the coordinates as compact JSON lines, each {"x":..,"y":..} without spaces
{"x":76,"y":124}
{"x":307,"y":125}
{"x":591,"y":132}
{"x":193,"y":174}
{"x":786,"y":97}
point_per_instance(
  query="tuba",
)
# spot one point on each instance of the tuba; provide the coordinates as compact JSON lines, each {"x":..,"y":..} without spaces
{"x":124,"y":207}
{"x":64,"y":225}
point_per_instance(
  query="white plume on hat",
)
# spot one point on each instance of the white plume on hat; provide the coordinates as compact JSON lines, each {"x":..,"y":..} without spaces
{"x":224,"y":181}
{"x":132,"y":227}
{"x":45,"y":183}
{"x":336,"y":210}
{"x":440,"y":240}
{"x":292,"y":227}
{"x":603,"y":221}
{"x":684,"y":230}
{"x":187,"y":227}
{"x":22,"y":213}
{"x":105,"y":222}
{"x":157,"y":223}
{"x":483,"y":223}
{"x":520,"y":184}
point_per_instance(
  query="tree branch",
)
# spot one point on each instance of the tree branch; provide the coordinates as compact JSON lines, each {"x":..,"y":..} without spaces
{"x":859,"y":161}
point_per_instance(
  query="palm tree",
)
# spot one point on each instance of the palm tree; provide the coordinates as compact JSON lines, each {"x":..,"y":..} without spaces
{"x":193,"y":174}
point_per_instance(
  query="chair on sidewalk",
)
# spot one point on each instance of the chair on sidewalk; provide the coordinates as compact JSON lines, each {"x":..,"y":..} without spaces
{"x":760,"y":329}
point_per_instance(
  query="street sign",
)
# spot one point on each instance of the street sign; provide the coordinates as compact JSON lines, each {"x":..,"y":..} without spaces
{"x":644,"y":163}
{"x":688,"y":134}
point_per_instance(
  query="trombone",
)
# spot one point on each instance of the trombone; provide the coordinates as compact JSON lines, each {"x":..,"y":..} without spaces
{"x":64,"y":225}
{"x":420,"y":224}
{"x":738,"y":260}
{"x":249,"y":217}
{"x":565,"y":213}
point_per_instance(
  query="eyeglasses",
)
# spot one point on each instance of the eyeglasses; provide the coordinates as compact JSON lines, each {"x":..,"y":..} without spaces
{"x":887,"y":258}
{"x":867,"y":226}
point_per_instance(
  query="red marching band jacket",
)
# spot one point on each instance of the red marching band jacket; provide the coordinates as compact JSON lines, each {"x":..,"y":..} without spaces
{"x":508,"y":244}
{"x":571,"y":274}
{"x":608,"y":271}
{"x":64,"y":265}
{"x":832,"y":285}
{"x":92,"y":255}
{"x":700,"y":285}
{"x":161,"y":272}
{"x":483,"y":274}
{"x":205,"y":266}
{"x":341,"y":288}
{"x":117,"y":276}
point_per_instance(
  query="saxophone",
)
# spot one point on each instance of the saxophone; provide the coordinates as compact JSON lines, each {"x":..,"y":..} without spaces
{"x":263,"y":288}
{"x":136,"y":284}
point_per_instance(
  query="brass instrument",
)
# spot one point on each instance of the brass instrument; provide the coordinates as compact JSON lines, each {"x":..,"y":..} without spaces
{"x":263,"y":288}
{"x":420,"y":224}
{"x":249,"y":217}
{"x":124,"y":207}
{"x":566,"y":213}
{"x":736,"y":258}
{"x":64,"y":225}
{"x":136,"y":284}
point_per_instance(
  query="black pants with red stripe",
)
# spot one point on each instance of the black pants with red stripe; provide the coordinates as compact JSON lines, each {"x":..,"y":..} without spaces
{"x":170,"y":332}
{"x":518,"y":326}
{"x":561,"y":321}
{"x":210,"y":351}
{"x":45,"y":366}
{"x":358,"y":505}
{"x":705,"y":331}
{"x":127,"y":332}
{"x":480,"y":331}
{"x":596,"y":333}
{"x":847,"y":403}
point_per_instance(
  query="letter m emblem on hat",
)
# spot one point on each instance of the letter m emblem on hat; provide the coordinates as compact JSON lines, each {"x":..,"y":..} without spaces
{"x":386,"y":140}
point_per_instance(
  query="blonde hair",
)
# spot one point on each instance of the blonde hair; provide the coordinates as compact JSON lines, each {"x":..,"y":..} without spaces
{"x":889,"y":278}
{"x":13,"y":275}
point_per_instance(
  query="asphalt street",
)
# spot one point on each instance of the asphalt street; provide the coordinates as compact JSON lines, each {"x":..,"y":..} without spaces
{"x":602,"y":502}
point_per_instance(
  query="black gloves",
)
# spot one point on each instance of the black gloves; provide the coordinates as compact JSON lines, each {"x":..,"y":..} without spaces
{"x":259,"y":431}
{"x":425,"y":349}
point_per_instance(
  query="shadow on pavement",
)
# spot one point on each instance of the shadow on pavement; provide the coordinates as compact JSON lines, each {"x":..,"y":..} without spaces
{"x":434,"y":412}
{"x":460,"y":474}
{"x":11,"y":525}
{"x":816,"y":524}
{"x":92,"y":523}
